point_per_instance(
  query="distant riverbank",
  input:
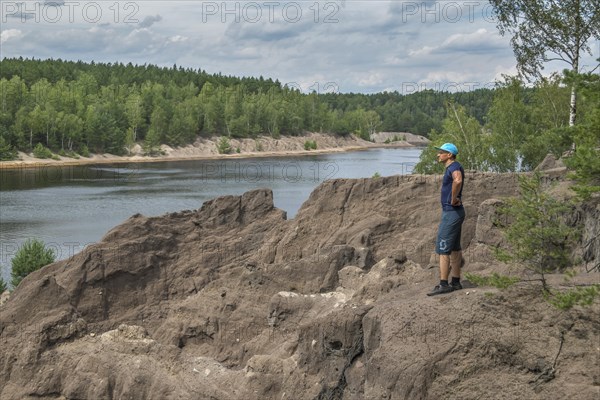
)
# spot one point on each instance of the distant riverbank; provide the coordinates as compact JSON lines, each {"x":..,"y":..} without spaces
{"x":202,"y":149}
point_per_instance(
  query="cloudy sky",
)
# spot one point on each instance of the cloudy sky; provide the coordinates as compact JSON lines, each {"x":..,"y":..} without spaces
{"x":339,"y":45}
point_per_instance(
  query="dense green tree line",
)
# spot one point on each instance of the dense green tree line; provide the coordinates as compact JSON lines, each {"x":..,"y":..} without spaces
{"x":78,"y":107}
{"x":74,"y":107}
{"x":418,"y":112}
{"x":32,"y":70}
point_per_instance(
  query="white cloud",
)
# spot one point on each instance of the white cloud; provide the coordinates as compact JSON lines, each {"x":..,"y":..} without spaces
{"x":424,"y":51}
{"x":480,"y":41}
{"x":361,"y":46}
{"x":178,"y":38}
{"x":371,"y":80}
{"x":8,"y":34}
{"x":501,"y":70}
{"x":451,"y":76}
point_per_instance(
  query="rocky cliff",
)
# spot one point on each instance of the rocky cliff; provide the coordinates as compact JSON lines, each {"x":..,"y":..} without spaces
{"x":234,"y":301}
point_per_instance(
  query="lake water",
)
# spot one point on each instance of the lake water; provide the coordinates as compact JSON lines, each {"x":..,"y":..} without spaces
{"x":73,"y":206}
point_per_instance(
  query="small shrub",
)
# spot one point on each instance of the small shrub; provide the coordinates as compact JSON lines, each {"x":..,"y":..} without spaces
{"x":153,"y":151}
{"x":85,"y":151}
{"x":32,"y":256}
{"x":238,"y":150}
{"x":224,"y":146}
{"x":68,"y":153}
{"x":310,"y":145}
{"x":40,"y":151}
{"x":7,"y":152}
{"x":2,"y":285}
{"x":259,"y":146}
{"x":376,"y":175}
{"x":580,"y":296}
{"x":55,"y":157}
{"x":495,"y":280}
{"x":397,"y":138}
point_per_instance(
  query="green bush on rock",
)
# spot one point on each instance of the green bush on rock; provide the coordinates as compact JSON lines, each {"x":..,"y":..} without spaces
{"x":32,"y":256}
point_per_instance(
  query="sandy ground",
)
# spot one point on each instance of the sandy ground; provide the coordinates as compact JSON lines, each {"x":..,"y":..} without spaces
{"x":207,"y":149}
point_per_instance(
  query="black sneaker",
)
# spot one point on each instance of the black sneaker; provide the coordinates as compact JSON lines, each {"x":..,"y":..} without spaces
{"x":456,"y":286}
{"x":439,"y":289}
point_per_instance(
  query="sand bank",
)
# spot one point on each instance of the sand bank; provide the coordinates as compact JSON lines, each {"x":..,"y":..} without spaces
{"x":207,"y":149}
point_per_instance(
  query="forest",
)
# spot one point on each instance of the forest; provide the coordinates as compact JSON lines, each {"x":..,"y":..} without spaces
{"x":76,"y":107}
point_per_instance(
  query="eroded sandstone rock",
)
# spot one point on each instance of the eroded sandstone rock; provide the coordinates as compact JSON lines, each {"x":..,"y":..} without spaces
{"x":234,"y":301}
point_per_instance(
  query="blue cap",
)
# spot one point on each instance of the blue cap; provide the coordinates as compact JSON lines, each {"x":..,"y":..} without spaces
{"x":449,"y":147}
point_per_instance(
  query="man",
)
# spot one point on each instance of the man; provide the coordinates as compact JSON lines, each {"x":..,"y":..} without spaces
{"x":453,"y":214}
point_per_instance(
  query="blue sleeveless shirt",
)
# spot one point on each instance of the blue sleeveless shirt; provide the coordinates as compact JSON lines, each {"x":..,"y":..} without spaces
{"x":447,"y":186}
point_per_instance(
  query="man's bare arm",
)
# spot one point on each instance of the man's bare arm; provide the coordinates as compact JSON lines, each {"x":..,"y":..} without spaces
{"x":457,"y":182}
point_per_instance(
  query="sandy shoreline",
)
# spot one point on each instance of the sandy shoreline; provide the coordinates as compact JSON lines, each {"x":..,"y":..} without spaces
{"x":206,"y":149}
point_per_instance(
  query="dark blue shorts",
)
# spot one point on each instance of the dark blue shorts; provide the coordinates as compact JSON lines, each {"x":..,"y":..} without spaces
{"x":448,"y":238}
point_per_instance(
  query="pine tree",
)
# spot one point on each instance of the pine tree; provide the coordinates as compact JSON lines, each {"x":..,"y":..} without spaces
{"x":534,"y":225}
{"x":32,"y":256}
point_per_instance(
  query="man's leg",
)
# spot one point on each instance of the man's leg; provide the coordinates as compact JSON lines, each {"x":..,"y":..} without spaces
{"x":456,"y":263}
{"x":444,"y":267}
{"x":456,"y":256}
{"x":441,"y":248}
{"x":444,"y":286}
